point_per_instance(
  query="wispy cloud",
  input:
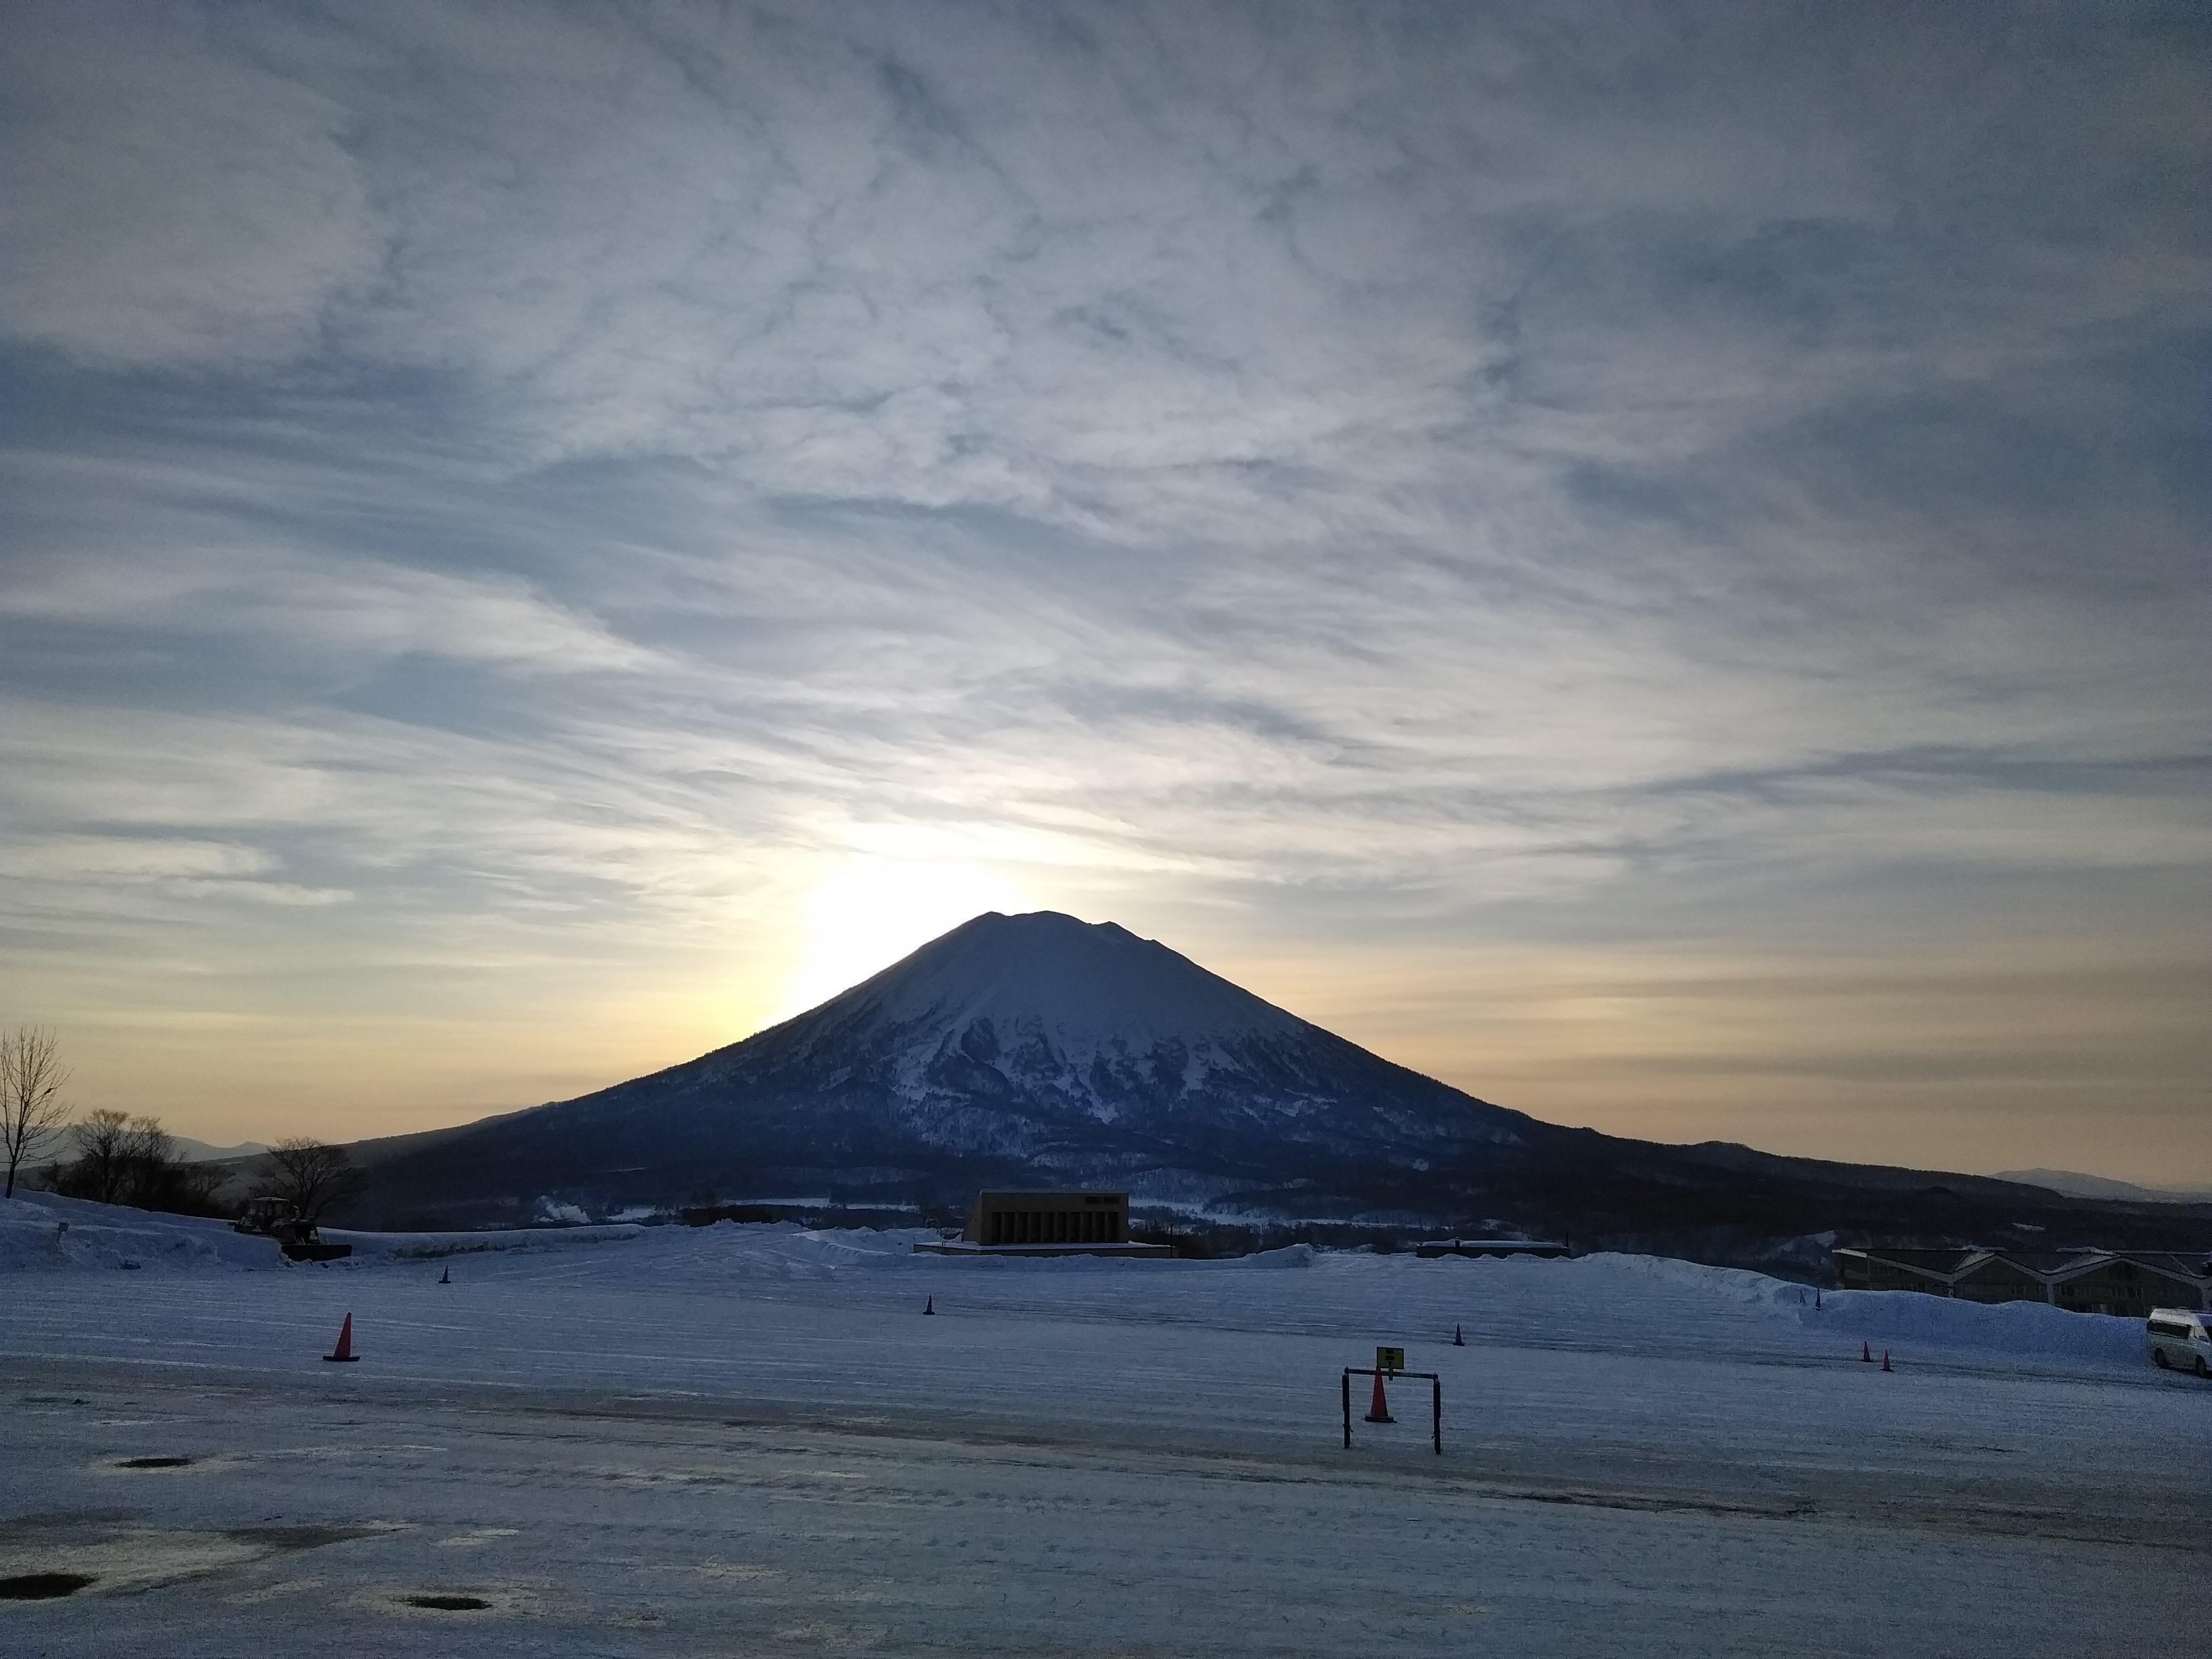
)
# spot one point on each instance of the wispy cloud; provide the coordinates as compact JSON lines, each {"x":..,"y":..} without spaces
{"x":555,"y":491}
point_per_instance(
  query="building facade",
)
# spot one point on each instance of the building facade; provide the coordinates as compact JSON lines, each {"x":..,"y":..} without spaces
{"x":2126,"y":1282}
{"x":1048,"y":1218}
{"x":1047,"y":1223}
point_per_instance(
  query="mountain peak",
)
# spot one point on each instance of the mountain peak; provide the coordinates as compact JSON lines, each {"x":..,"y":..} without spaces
{"x":1085,"y":984}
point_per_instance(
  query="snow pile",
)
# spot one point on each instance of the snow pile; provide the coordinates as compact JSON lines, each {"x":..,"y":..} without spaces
{"x":1886,"y":1318}
{"x":433,"y":1247}
{"x":784,"y":1249}
{"x":41,"y":1232}
{"x":1646,"y":1307}
{"x":1728,"y":1284}
{"x":45,"y":1232}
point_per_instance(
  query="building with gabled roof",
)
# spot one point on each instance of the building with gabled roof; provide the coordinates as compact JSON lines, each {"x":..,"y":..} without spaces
{"x":2126,"y":1282}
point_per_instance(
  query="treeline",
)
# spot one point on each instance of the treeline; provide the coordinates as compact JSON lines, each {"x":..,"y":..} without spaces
{"x":133,"y":1160}
{"x":122,"y":1159}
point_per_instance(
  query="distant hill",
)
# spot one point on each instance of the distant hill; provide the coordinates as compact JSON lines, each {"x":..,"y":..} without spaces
{"x":2077,"y":1185}
{"x":198,"y":1151}
{"x":1041,"y":1050}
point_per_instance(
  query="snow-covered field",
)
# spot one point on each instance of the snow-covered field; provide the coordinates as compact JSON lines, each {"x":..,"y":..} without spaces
{"x":751,"y":1440}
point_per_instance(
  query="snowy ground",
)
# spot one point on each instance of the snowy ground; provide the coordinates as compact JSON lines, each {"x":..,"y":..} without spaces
{"x":749,"y":1440}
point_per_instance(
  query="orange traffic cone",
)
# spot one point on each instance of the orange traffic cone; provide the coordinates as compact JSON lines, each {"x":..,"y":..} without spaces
{"x":1379,"y":1412}
{"x":344,"y":1349}
{"x":1866,"y":1353}
{"x":447,"y":1277}
{"x":1884,"y":1359}
{"x":929,"y":1306}
{"x":1458,"y":1341}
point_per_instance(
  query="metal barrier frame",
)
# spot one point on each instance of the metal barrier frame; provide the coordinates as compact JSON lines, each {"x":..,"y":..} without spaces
{"x":1435,"y":1382}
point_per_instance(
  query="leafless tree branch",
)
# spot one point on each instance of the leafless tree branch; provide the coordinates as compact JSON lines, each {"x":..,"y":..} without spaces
{"x":31,"y":1105}
{"x":314,"y":1174}
{"x":102,"y":1169}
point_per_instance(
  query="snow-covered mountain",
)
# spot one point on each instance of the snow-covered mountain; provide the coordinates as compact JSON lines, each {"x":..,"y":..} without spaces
{"x":2075,"y":1184}
{"x":1030,"y":1048}
{"x":1060,"y":1044}
{"x":1041,"y":1050}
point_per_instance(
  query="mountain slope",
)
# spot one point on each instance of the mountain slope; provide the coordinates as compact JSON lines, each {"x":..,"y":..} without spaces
{"x":1014,"y":1048}
{"x":1045,"y":1040}
{"x":2075,"y":1184}
{"x":1041,"y":1050}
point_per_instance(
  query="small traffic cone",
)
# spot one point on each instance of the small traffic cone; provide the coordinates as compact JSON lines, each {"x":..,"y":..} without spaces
{"x":1816,"y":1297}
{"x":929,"y":1304}
{"x":344,"y":1349}
{"x":447,"y":1277}
{"x":1884,"y":1359}
{"x":1866,"y":1353}
{"x":1458,"y":1340}
{"x":1379,"y":1412}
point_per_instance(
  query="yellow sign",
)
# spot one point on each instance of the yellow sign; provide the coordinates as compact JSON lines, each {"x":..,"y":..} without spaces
{"x":1390,"y":1360}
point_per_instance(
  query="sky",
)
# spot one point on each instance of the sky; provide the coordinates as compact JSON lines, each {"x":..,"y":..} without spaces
{"x":1652,"y":562}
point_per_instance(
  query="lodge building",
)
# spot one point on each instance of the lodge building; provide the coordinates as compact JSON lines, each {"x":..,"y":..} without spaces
{"x":1048,"y":1218}
{"x":2127,"y":1282}
{"x":1047,"y":1223}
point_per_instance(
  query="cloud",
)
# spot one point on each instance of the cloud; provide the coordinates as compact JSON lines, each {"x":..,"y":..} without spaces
{"x":573,"y":478}
{"x":170,"y":204}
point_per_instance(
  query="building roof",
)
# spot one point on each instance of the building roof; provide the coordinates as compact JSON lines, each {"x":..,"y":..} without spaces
{"x":2051,"y":1266}
{"x":1933,"y":1262}
{"x":2197,"y":1265}
{"x":1008,"y":1196}
{"x":2003,"y":1262}
{"x":2058,"y":1261}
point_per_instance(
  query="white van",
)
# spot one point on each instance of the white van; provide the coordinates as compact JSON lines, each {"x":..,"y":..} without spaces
{"x":2179,"y":1337}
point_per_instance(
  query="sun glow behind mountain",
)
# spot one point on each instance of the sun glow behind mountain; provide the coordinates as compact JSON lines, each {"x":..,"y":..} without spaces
{"x":873,"y":909}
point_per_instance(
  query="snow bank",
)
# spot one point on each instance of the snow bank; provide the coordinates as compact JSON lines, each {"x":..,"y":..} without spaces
{"x":1886,"y":1318}
{"x":41,"y":1232}
{"x":432,"y":1246}
{"x":1730,"y":1284}
{"x":1648,"y":1306}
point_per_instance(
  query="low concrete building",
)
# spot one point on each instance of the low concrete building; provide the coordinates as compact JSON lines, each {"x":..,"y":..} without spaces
{"x":1047,"y":1223}
{"x":2129,"y":1282}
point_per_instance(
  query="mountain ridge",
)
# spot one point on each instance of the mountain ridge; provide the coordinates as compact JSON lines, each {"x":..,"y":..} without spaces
{"x":1038,"y":1049}
{"x":2074,"y":1183}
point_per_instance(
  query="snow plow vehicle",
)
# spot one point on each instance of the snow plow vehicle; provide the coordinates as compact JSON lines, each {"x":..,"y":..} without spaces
{"x":280,"y":1219}
{"x":263,"y":1216}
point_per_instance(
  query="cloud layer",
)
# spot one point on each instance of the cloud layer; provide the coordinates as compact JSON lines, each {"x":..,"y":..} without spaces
{"x":1652,"y":563}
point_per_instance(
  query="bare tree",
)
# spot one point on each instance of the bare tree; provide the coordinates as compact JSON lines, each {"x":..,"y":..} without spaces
{"x":101,"y":1171}
{"x":149,"y":1159}
{"x":133,"y":1160}
{"x":314,"y":1174}
{"x":31,"y":1103}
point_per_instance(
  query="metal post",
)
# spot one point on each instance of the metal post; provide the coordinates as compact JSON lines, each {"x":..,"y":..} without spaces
{"x":1347,"y":1411}
{"x":1436,"y":1412}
